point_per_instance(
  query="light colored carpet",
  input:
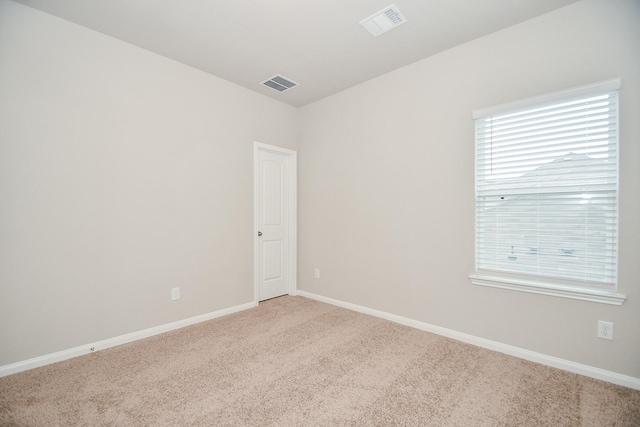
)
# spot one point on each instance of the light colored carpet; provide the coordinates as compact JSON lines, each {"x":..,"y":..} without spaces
{"x":298,"y":362}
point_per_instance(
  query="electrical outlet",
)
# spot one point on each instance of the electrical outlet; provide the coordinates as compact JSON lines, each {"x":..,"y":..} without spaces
{"x":605,"y":330}
{"x":316,"y":273}
{"x":175,"y":294}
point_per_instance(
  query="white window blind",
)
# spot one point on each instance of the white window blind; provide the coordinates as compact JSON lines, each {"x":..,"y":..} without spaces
{"x":547,"y":188}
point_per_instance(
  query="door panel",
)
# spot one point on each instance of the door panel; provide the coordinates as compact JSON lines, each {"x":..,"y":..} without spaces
{"x":272,"y":192}
{"x":272,"y":260}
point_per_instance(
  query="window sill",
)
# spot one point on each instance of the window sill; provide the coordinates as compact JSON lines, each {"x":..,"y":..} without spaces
{"x":585,"y":294}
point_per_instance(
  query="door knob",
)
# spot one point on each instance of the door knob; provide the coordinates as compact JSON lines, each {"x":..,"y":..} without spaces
{"x":259,"y":233}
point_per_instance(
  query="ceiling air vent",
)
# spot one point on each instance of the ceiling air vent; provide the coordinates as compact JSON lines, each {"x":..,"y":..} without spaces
{"x":383,"y":21}
{"x":279,"y":83}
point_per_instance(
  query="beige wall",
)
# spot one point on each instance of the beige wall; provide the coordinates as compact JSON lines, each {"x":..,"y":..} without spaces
{"x":386,"y":203}
{"x":122,"y":175}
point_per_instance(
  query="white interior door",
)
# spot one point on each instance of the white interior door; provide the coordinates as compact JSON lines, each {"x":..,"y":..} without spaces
{"x":275,"y":221}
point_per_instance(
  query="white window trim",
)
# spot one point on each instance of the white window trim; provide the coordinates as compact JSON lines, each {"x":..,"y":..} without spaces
{"x":534,"y":286}
{"x":544,"y":288}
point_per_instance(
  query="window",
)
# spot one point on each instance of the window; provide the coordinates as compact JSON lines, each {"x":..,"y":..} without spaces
{"x":547,"y":194}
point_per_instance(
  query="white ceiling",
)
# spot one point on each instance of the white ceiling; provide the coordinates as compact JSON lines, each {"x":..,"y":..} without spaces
{"x":317,"y":43}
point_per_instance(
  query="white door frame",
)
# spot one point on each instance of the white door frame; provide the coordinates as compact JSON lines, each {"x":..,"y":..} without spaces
{"x":292,"y":157}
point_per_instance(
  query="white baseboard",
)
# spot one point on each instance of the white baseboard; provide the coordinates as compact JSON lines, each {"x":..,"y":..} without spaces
{"x":112,"y":342}
{"x":555,"y":362}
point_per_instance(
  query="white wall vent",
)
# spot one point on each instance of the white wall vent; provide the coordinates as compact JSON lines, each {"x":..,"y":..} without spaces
{"x":279,"y":83}
{"x":387,"y":19}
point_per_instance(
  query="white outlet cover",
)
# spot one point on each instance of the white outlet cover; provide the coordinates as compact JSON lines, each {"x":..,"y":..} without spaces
{"x":605,"y":330}
{"x":175,"y":293}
